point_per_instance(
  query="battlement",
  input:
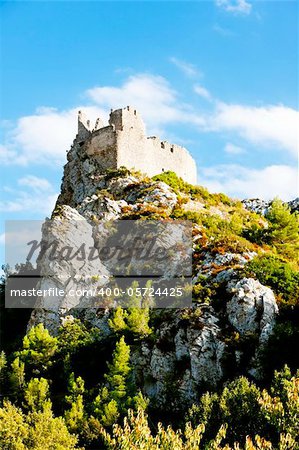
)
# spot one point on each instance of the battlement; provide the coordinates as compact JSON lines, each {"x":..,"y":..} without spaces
{"x":124,"y":143}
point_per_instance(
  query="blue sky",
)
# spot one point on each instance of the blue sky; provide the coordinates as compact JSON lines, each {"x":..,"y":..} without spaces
{"x":219,"y":77}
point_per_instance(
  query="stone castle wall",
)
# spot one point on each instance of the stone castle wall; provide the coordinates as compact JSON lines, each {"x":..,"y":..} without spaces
{"x":124,"y":143}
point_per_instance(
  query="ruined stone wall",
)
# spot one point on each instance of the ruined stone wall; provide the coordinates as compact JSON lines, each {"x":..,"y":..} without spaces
{"x":102,"y":145}
{"x":151,"y":156}
{"x":124,"y":143}
{"x":166,"y":156}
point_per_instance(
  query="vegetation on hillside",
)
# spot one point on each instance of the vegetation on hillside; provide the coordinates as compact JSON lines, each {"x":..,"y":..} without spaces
{"x":77,"y":390}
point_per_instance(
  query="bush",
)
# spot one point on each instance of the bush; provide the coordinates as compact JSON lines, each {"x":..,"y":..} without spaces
{"x":237,"y":405}
{"x":278,"y":274}
{"x":195,"y":192}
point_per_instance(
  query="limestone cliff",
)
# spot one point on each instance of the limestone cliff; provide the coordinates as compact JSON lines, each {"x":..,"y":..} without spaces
{"x":232,"y":317}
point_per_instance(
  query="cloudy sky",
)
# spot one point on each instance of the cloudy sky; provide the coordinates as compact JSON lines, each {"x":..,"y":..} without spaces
{"x":219,"y":77}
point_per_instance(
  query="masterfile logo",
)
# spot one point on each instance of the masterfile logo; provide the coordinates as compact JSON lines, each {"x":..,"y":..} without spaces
{"x":67,"y":263}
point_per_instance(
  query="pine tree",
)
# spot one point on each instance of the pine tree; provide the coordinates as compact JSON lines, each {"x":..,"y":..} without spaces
{"x":39,"y":347}
{"x":75,"y":416}
{"x":36,"y":394}
{"x":113,"y":398}
{"x":135,"y":319}
{"x":17,"y":376}
{"x":119,"y":370}
{"x":13,"y":426}
{"x":3,"y":367}
{"x":283,"y":231}
{"x":118,"y":320}
{"x":138,"y":319}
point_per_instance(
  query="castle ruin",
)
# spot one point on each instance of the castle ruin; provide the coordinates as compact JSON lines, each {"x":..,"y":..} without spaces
{"x":124,"y":143}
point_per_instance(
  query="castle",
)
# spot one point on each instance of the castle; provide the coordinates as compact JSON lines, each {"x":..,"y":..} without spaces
{"x":124,"y":143}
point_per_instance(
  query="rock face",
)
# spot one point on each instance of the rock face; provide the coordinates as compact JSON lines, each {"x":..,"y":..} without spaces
{"x":252,"y":308}
{"x":68,"y":274}
{"x":256,"y":205}
{"x":190,"y":349}
{"x":294,"y":205}
{"x":188,"y":355}
{"x":260,"y":206}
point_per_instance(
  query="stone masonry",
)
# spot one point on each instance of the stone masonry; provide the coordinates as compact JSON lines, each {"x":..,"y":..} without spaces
{"x":124,"y":143}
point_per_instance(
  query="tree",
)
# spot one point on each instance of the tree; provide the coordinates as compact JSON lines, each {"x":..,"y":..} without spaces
{"x":240,"y":409}
{"x":136,"y":318}
{"x":38,"y":430}
{"x":13,"y":427}
{"x":3,"y":367}
{"x":283,"y":228}
{"x":118,"y":320}
{"x":136,"y":434}
{"x":3,"y":363}
{"x":118,"y":370}
{"x":39,"y":347}
{"x":113,"y":397}
{"x":237,"y":405}
{"x":281,"y":408}
{"x":278,"y":274}
{"x":17,"y":376}
{"x":73,"y":334}
{"x":36,"y":394}
{"x":49,"y":432}
{"x":75,"y":416}
{"x":106,"y":409}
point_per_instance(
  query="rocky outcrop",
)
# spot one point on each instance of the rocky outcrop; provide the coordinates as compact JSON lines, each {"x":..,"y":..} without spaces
{"x":222,"y":265}
{"x":252,"y":312}
{"x":60,"y":268}
{"x":252,"y":308}
{"x":256,"y":205}
{"x":187,"y":356}
{"x":260,"y":206}
{"x":294,"y":205}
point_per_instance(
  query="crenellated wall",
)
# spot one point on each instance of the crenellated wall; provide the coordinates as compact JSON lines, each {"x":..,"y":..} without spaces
{"x":124,"y":143}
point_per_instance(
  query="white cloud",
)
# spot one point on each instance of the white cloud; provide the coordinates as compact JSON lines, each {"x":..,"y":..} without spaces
{"x":36,"y":183}
{"x":152,"y":95}
{"x":48,"y":133}
{"x":267,"y":126}
{"x":232,"y":149}
{"x":7,"y":156}
{"x":235,"y":6}
{"x":202,"y":92}
{"x":25,"y":201}
{"x":43,"y":137}
{"x":37,"y":196}
{"x":187,"y":68}
{"x":2,"y":238}
{"x":242,"y":182}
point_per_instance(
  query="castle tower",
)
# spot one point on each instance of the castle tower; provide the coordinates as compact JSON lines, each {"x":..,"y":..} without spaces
{"x":125,"y":119}
{"x":84,"y":128}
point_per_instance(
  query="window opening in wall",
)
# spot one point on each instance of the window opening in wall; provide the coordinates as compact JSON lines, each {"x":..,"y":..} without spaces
{"x":162,"y":170}
{"x":171,"y":149}
{"x":162,"y":145}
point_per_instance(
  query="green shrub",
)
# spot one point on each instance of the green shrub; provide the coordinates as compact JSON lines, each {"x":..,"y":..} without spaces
{"x":195,"y":192}
{"x":278,"y":274}
{"x":237,"y":405}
